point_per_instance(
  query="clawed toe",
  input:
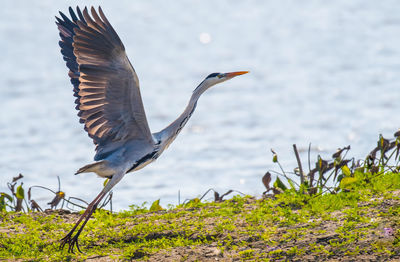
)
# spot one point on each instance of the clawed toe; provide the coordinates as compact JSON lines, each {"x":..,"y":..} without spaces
{"x":71,"y":241}
{"x":70,"y":238}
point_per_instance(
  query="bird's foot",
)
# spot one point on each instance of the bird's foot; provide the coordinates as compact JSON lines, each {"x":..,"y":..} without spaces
{"x":70,"y":238}
{"x":72,"y":241}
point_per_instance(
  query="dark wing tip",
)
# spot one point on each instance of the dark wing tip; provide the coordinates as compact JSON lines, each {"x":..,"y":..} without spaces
{"x":64,"y":17}
{"x":78,"y":10}
{"x":72,"y":14}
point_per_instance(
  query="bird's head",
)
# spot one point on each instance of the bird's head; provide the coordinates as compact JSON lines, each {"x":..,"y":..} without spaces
{"x":216,"y":78}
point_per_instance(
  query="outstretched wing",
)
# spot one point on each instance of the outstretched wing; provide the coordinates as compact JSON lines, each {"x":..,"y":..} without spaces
{"x":105,"y":83}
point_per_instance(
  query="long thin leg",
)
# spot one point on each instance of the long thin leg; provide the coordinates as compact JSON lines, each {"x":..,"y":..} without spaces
{"x":73,"y":240}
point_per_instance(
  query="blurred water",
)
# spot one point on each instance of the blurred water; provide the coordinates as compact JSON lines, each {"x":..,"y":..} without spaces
{"x":321,"y":72}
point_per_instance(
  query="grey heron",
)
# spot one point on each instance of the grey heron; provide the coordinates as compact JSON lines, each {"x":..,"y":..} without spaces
{"x":108,"y":99}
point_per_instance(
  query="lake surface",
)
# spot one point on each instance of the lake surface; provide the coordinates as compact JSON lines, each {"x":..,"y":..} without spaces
{"x":321,"y":72}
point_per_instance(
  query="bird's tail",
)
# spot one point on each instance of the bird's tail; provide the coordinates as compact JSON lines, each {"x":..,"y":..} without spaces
{"x":98,"y":167}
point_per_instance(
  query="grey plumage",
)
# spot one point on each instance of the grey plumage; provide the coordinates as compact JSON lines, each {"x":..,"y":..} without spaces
{"x":108,"y":98}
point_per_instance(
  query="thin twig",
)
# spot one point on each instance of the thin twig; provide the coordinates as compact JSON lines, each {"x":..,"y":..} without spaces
{"x":309,"y":158}
{"x":299,"y":163}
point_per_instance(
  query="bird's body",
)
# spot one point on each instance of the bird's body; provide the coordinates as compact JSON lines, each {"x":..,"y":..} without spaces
{"x":132,"y":156}
{"x":110,"y":105}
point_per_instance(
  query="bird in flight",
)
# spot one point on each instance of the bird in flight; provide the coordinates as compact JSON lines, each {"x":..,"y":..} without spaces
{"x":110,"y":106}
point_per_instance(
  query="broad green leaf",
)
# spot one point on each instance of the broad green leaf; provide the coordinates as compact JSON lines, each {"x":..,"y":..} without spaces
{"x":319,"y":162}
{"x":156,"y":206}
{"x":346,"y":182}
{"x":193,"y":202}
{"x":346,"y":171}
{"x":278,"y":184}
{"x":6,"y":196}
{"x":2,"y":203}
{"x":20,"y":192}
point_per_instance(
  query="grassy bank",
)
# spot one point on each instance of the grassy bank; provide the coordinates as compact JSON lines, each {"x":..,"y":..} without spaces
{"x":361,"y":222}
{"x":340,"y":209}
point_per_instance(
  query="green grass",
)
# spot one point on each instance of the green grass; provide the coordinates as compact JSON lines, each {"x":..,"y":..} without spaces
{"x":288,"y":225}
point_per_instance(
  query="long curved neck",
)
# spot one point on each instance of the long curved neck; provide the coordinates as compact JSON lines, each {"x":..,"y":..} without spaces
{"x":168,"y":134}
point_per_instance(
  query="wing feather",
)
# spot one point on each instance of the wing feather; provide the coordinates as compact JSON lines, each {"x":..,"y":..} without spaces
{"x":105,"y":83}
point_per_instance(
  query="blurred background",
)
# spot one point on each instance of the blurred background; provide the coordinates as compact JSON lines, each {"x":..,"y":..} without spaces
{"x":326,"y":73}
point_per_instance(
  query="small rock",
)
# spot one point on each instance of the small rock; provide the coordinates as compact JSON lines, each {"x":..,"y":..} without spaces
{"x":213,"y":252}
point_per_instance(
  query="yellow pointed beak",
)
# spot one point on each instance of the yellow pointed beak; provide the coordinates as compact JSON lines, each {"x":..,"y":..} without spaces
{"x":233,"y":74}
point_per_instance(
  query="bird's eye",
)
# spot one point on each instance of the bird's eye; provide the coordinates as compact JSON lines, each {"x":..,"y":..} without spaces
{"x":213,"y":75}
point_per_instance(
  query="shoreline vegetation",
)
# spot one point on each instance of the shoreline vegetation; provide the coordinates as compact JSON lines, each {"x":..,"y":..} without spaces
{"x":341,"y":209}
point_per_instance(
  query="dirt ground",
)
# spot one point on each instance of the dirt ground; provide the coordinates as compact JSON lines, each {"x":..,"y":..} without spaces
{"x":371,"y":239}
{"x":320,"y":235}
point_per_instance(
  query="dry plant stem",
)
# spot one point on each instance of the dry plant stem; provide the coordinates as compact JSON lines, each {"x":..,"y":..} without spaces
{"x":72,"y":203}
{"x":309,"y":158}
{"x":107,"y":200}
{"x":284,"y":174}
{"x":299,"y":163}
{"x":210,"y":189}
{"x":42,"y":187}
{"x":327,"y":179}
{"x":387,"y":161}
